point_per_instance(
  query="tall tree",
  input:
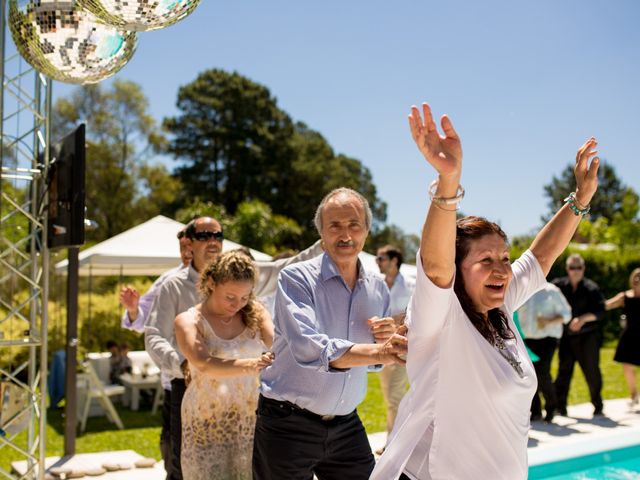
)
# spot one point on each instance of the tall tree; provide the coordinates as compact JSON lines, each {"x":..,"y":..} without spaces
{"x":236,"y":145}
{"x":121,"y":137}
{"x":605,"y":203}
{"x":231,"y":137}
{"x":394,"y":235}
{"x":622,"y":230}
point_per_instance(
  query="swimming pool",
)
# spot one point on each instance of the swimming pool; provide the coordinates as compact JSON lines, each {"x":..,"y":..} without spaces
{"x":617,"y":464}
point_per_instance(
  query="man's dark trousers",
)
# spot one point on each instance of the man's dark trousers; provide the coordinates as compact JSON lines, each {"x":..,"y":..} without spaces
{"x":293,"y":443}
{"x":585,"y":349}
{"x":543,"y":348}
{"x":177,"y":392}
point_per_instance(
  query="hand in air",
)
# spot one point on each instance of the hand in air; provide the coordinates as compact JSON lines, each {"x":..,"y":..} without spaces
{"x":586,"y":172}
{"x":444,"y":153}
{"x":129,"y":298}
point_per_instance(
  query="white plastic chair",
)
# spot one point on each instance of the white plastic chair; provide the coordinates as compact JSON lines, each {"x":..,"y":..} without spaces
{"x":158,"y":398}
{"x":98,"y":390}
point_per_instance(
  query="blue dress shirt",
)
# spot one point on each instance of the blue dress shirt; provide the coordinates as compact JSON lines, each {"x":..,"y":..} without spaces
{"x":317,"y":319}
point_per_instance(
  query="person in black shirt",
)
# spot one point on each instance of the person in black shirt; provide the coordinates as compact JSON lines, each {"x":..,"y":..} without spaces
{"x":581,"y":337}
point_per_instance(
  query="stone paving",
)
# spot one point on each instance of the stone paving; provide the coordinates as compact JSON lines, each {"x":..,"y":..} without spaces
{"x":577,"y":434}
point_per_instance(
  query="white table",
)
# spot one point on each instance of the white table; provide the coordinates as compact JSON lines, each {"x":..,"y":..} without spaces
{"x":136,"y":382}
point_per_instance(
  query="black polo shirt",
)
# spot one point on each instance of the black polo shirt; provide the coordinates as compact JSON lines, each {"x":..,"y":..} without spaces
{"x":586,"y":298}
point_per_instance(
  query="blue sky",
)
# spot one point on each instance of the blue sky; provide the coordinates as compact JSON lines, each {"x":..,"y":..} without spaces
{"x":525,"y":83}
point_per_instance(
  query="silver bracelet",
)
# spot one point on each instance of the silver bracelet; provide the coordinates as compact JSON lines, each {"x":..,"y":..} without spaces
{"x":573,"y":205}
{"x":445,"y":200}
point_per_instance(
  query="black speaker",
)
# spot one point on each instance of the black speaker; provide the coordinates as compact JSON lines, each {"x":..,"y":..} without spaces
{"x":66,"y":182}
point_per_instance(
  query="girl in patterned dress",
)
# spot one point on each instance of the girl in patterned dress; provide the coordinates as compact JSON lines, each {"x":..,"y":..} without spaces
{"x":225,"y":340}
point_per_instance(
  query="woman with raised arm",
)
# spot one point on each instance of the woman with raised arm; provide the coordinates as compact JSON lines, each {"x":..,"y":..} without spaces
{"x":225,"y":340}
{"x":628,"y":351}
{"x":466,"y":415}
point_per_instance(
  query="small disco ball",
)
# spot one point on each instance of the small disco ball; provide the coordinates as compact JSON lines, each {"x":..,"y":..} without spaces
{"x":67,"y":43}
{"x":140,"y":15}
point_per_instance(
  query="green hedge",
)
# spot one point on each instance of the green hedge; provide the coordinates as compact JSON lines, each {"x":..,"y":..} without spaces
{"x":609,"y":269}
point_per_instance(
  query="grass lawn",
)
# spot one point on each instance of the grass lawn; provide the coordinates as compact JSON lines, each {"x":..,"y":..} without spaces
{"x":142,"y":429}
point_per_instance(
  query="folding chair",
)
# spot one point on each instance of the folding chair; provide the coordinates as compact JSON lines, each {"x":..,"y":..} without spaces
{"x":157,"y":399}
{"x":98,"y":390}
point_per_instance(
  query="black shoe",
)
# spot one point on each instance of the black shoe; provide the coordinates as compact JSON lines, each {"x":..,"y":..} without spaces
{"x":598,"y":412}
{"x":548,"y":418}
{"x":536,"y":417}
{"x":562,"y":411}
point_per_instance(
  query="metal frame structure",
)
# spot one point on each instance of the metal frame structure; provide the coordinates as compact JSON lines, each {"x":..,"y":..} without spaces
{"x":25,"y":111}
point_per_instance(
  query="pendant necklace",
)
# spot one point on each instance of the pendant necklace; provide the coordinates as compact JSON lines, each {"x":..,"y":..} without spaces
{"x":507,"y":354}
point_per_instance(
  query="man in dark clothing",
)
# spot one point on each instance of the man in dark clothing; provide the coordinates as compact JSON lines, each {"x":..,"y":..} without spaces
{"x":581,"y":337}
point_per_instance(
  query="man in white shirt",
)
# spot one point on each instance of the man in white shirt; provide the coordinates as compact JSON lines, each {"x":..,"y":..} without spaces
{"x":542,"y":318}
{"x":393,"y":378}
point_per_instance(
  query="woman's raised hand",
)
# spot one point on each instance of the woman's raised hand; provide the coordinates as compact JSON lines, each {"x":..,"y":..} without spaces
{"x":444,"y":153}
{"x":586,"y":173}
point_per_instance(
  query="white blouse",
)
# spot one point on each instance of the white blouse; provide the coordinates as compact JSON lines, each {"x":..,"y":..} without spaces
{"x":477,"y":403}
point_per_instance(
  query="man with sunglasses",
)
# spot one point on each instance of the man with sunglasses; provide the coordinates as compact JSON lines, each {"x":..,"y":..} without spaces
{"x":581,"y":337}
{"x":177,"y":295}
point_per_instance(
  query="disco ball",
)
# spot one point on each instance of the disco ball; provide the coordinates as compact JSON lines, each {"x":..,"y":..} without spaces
{"x":140,"y":15}
{"x":67,"y":43}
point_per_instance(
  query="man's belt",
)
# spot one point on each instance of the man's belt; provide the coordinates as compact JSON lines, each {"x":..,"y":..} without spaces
{"x":302,"y":411}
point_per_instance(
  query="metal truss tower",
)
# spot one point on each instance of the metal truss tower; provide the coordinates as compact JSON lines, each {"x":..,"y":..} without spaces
{"x":25,"y":109}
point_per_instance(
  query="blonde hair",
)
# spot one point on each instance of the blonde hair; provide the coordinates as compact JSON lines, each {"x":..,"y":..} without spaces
{"x":233,"y":266}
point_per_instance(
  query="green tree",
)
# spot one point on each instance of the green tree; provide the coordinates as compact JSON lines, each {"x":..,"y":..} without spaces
{"x":605,"y":203}
{"x":314,"y":172}
{"x":394,"y":235}
{"x":254,"y":224}
{"x":122,"y":189}
{"x":622,"y":230}
{"x":235,"y":145}
{"x":231,"y":137}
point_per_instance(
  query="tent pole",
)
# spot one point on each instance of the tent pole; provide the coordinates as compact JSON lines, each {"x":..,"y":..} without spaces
{"x":71,"y":409}
{"x":89,"y":300}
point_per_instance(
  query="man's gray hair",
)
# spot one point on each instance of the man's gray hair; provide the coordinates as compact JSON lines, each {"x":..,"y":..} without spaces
{"x":317,"y":219}
{"x":575,"y":258}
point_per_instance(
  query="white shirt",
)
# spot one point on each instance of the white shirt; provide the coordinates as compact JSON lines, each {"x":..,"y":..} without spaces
{"x":401,"y":292}
{"x":548,"y":302}
{"x":476,"y":401}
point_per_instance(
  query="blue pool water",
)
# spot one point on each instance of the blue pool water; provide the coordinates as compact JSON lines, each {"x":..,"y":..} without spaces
{"x":619,"y":464}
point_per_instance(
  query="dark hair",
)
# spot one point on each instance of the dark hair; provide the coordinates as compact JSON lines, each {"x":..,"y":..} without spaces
{"x":469,"y":229}
{"x":111,"y":344}
{"x":392,"y":252}
{"x":190,"y":229}
{"x":182,"y":233}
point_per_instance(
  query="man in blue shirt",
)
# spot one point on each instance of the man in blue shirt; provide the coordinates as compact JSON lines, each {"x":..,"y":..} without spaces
{"x":330,"y":324}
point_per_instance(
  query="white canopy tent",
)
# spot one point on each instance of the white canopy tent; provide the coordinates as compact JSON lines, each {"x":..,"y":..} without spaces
{"x":150,"y":248}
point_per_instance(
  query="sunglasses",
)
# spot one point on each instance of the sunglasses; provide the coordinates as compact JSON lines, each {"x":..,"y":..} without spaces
{"x":577,"y":267}
{"x":381,"y":258}
{"x":206,"y":235}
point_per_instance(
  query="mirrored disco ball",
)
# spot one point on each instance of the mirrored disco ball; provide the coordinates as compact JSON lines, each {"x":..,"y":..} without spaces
{"x":66,"y":42}
{"x":140,"y":15}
